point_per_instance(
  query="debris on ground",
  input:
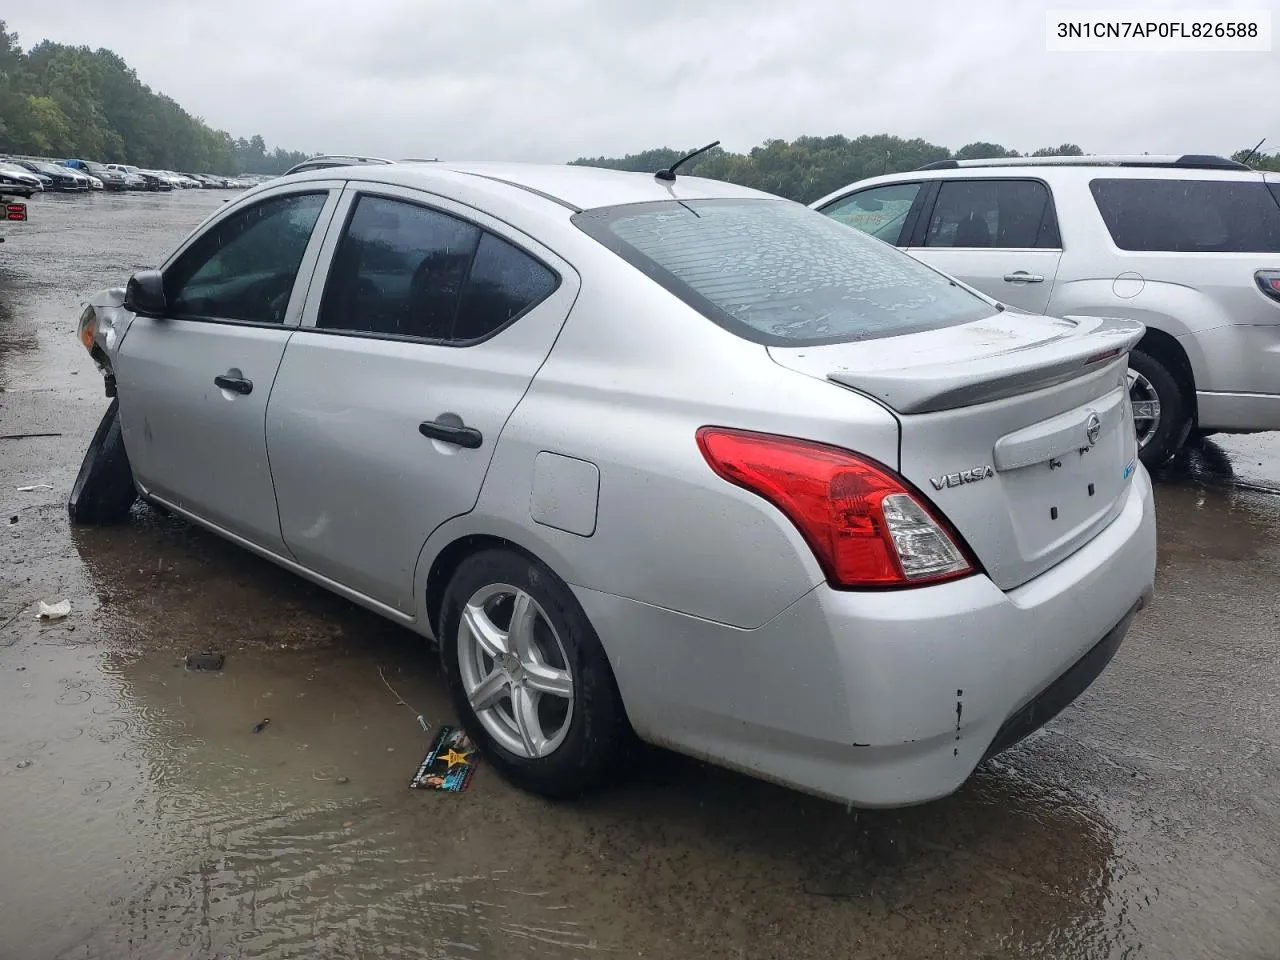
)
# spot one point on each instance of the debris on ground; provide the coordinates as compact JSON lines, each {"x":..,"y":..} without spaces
{"x":450,"y":764}
{"x":26,"y":436}
{"x":35,"y":486}
{"x":13,"y":519}
{"x":259,"y":727}
{"x":422,"y":722}
{"x":12,"y":617}
{"x":53,"y":611}
{"x":208,"y":660}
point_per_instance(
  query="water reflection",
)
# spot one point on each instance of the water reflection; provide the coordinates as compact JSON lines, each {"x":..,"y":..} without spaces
{"x":304,"y":840}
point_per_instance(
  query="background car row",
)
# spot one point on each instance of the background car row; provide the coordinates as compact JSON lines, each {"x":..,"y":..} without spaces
{"x":25,"y":176}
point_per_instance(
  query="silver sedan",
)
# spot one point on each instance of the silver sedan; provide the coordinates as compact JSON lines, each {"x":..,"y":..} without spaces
{"x":644,"y":455}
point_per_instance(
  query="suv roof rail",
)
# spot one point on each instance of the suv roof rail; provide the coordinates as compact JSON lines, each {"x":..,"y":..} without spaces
{"x":1194,"y":161}
{"x":333,"y":160}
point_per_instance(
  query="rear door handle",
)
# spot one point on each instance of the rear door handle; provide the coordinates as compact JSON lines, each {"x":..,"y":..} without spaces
{"x":455,"y":433}
{"x":1021,"y":276}
{"x":235,"y":384}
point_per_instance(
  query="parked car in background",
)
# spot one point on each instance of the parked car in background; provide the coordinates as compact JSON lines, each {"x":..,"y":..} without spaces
{"x":18,"y":182}
{"x":650,"y":454}
{"x":95,"y":183}
{"x":1189,"y":245}
{"x":144,"y":179}
{"x":183,"y":181}
{"x":111,"y":179}
{"x":60,"y":178}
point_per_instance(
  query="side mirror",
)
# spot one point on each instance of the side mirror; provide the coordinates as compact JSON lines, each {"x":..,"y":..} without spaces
{"x":144,"y":294}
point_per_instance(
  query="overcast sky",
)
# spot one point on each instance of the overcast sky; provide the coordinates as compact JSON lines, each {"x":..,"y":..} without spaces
{"x":557,"y":79}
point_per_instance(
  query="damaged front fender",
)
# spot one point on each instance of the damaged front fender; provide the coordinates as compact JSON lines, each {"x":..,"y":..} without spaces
{"x":101,"y":328}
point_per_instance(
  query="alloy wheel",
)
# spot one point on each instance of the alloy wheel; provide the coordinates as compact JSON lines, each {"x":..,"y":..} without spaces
{"x":1145,"y":403}
{"x":514,"y":670}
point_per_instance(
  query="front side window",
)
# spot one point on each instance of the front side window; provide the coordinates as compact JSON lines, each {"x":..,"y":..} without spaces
{"x":408,"y":271}
{"x":1189,"y":216}
{"x":244,"y":267}
{"x":1008,"y":214}
{"x":879,"y":211}
{"x":778,"y":273}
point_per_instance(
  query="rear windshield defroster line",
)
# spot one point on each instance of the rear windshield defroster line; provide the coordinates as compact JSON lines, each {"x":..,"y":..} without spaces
{"x":777,"y":273}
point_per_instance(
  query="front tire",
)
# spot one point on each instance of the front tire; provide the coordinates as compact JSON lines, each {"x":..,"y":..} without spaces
{"x":528,"y":676}
{"x":1161,"y":408}
{"x":104,"y":491}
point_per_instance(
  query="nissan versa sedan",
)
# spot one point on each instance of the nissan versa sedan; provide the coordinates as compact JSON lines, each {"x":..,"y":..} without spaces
{"x":644,"y":455}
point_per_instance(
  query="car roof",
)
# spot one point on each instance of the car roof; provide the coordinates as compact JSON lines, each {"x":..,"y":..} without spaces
{"x":573,"y":186}
{"x":1057,"y":173}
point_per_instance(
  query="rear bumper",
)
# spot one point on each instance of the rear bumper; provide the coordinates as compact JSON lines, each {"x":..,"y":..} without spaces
{"x":882,"y":699}
{"x":1058,"y":695}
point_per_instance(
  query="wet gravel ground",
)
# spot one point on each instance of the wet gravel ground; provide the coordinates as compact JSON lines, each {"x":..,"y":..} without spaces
{"x":141,"y":817}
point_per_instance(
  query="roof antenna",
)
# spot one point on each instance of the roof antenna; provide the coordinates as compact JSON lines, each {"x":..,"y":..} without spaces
{"x":670,"y":172}
{"x":1248,"y":156}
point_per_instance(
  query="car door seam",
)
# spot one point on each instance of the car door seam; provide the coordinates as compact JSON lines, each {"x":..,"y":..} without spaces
{"x":266,"y":446}
{"x":502,"y":429}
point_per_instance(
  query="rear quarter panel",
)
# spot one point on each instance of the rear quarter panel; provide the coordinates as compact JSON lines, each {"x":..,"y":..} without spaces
{"x":633,"y":376}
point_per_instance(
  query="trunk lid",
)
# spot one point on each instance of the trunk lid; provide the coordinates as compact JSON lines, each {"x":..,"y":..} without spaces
{"x":1017,"y":427}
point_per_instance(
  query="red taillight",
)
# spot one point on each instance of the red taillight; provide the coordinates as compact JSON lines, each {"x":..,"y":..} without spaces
{"x":1268,"y":282}
{"x":865,"y":524}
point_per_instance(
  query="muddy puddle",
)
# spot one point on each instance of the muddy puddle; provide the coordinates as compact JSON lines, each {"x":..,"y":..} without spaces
{"x":142,"y":817}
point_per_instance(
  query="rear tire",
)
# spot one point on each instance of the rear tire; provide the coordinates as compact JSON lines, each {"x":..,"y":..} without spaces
{"x":582,"y":742}
{"x":1170,"y":430}
{"x":104,"y":491}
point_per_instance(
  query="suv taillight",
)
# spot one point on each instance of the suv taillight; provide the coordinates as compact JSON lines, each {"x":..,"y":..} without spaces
{"x":866,"y":525}
{"x":1268,"y":282}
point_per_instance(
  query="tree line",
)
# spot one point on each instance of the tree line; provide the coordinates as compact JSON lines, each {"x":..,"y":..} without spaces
{"x":65,"y":102}
{"x":807,"y":168}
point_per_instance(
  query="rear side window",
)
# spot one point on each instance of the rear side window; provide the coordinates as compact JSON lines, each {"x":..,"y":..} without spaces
{"x":405,"y":270}
{"x":1012,"y":214}
{"x":1189,"y":216}
{"x":779,"y":273}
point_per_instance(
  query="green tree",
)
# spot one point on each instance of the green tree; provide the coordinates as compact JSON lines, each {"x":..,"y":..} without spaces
{"x":63,"y":101}
{"x":1259,"y":161}
{"x":983,"y":151}
{"x":1065,"y":150}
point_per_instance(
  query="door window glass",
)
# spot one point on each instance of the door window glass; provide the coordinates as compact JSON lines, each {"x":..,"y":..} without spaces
{"x":504,"y":282}
{"x":1009,"y":214}
{"x":406,"y":270}
{"x":879,"y":211}
{"x":244,"y":267}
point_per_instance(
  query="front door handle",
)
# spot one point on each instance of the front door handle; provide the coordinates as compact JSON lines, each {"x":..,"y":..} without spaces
{"x":455,"y":433}
{"x":1021,"y":276}
{"x":235,"y":384}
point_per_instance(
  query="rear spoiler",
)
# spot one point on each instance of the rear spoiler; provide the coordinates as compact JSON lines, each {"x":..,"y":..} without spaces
{"x":1096,"y":342}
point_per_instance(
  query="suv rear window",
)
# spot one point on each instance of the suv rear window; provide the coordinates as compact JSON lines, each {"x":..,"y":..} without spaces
{"x":1189,"y":216}
{"x":779,"y":273}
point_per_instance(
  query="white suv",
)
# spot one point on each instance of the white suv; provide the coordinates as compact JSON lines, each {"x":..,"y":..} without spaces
{"x":1188,"y":245}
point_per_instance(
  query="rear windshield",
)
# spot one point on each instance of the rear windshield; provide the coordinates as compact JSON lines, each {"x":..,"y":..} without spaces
{"x":1189,"y":216}
{"x":779,"y":273}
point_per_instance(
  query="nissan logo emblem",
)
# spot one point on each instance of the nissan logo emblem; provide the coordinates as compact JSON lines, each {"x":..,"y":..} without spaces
{"x":1093,"y":429}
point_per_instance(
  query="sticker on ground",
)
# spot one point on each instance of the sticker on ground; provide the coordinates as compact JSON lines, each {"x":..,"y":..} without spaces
{"x":449,"y":765}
